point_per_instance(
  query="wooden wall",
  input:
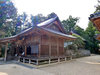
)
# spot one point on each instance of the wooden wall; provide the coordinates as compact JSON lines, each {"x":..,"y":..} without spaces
{"x":51,"y":46}
{"x":48,"y":45}
{"x":44,"y":45}
{"x":61,"y":47}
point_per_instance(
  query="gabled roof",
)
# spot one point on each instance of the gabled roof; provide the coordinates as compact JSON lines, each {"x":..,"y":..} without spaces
{"x":55,"y":18}
{"x":59,"y":33}
{"x":49,"y":21}
{"x":95,"y":18}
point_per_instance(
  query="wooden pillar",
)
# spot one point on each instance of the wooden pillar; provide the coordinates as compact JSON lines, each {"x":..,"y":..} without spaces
{"x":25,"y":50}
{"x":5,"y":59}
{"x":67,"y":45}
{"x":0,"y":50}
{"x":37,"y":62}
{"x":58,"y":47}
{"x":49,"y":46}
{"x":17,"y":50}
{"x":49,"y":49}
{"x":39,"y":47}
{"x":63,"y":46}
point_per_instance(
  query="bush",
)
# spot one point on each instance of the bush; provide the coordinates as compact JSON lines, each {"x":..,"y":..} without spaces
{"x":2,"y":51}
{"x":71,"y":47}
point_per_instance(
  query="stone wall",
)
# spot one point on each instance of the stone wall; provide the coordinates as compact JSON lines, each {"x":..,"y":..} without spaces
{"x":78,"y":53}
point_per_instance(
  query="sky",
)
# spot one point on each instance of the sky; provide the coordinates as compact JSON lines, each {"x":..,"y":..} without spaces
{"x":63,"y":8}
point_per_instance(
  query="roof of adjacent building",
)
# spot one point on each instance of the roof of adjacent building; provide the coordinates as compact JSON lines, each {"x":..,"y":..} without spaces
{"x":94,"y":16}
{"x":95,"y":19}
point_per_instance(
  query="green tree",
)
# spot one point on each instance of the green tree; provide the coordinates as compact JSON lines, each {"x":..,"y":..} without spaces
{"x":98,"y":6}
{"x":37,"y":19}
{"x":79,"y":42}
{"x":91,"y":42}
{"x":79,"y":30}
{"x":70,"y":23}
{"x":8,"y":14}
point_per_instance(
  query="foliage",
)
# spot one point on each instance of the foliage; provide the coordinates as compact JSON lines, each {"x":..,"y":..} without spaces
{"x":98,"y":6}
{"x":91,"y":42}
{"x":71,"y":47}
{"x":70,"y":23}
{"x":78,"y":30}
{"x":37,"y":19}
{"x":12,"y":23}
{"x":79,"y":42}
{"x":85,"y":38}
{"x":8,"y":14}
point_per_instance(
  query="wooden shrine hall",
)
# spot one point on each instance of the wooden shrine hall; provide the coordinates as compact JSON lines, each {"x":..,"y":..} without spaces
{"x":95,"y":19}
{"x":45,"y":41}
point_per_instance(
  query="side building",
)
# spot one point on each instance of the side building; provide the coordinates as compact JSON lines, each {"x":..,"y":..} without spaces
{"x":95,"y":19}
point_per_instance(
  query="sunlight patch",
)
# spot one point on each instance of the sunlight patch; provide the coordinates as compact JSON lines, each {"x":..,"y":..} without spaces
{"x":93,"y":63}
{"x":2,"y":73}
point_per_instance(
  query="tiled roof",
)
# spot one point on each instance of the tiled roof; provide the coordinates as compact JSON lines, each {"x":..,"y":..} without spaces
{"x":59,"y":33}
{"x":47,"y":21}
{"x":95,"y":15}
{"x":51,"y":20}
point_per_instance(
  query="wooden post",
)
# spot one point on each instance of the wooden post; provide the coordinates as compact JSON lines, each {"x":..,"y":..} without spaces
{"x":23,"y":60}
{"x":37,"y":62}
{"x":5,"y":59}
{"x":49,"y":46}
{"x":29,"y":61}
{"x":25,"y":51}
{"x":0,"y":50}
{"x":58,"y":47}
{"x":63,"y":47}
{"x":65,"y":59}
{"x":39,"y":47}
{"x":49,"y":49}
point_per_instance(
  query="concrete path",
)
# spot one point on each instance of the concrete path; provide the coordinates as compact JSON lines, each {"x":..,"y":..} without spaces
{"x":81,"y":66}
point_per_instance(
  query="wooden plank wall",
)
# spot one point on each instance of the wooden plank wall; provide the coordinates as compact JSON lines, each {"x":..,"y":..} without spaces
{"x":61,"y":47}
{"x":54,"y":44}
{"x":44,"y":45}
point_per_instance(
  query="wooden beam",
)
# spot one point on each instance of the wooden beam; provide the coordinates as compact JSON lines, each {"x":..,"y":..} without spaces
{"x":5,"y":59}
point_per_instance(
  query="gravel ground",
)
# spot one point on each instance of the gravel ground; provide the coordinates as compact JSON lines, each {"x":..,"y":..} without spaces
{"x":17,"y":69}
{"x":81,"y":66}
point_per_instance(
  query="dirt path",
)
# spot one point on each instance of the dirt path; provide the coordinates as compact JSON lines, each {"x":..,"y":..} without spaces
{"x":82,"y":66}
{"x":15,"y":69}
